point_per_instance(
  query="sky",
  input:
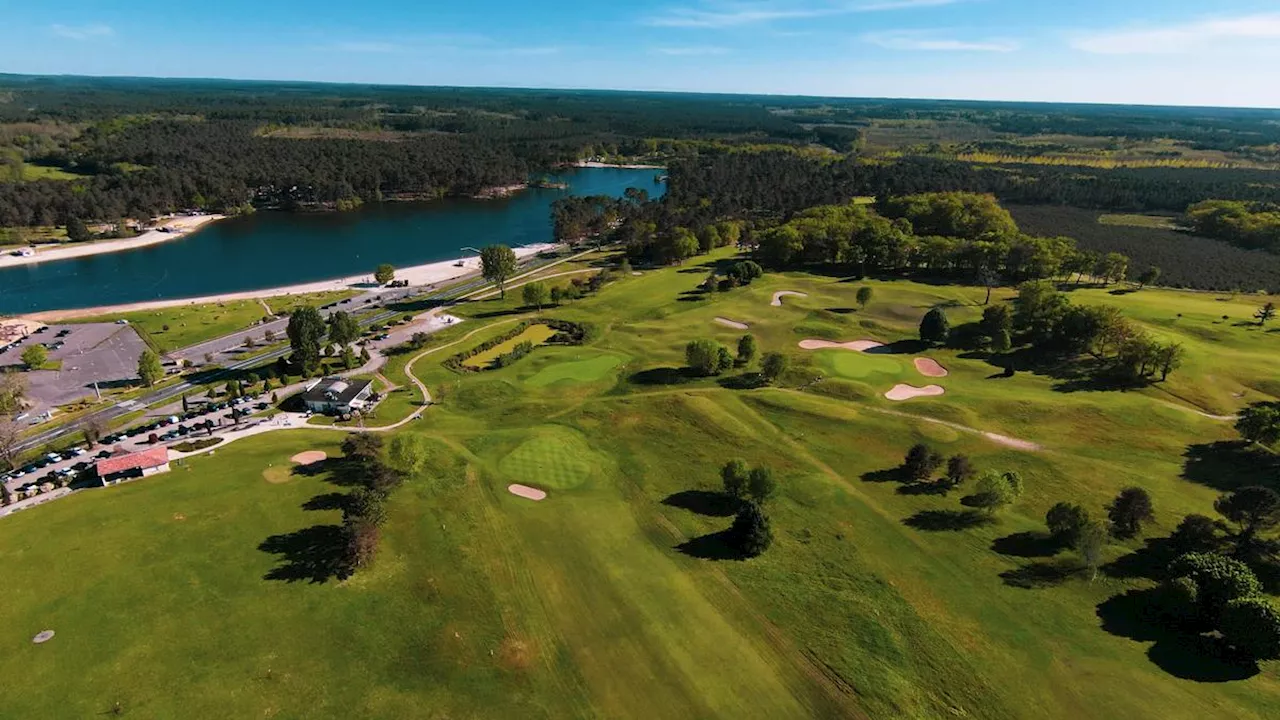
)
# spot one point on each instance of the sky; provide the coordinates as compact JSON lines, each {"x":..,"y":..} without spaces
{"x":1170,"y":52}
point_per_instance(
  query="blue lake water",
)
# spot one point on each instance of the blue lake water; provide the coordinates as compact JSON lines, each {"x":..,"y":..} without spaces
{"x":271,"y":249}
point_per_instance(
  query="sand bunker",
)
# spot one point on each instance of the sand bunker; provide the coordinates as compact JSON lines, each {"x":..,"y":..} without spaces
{"x":42,"y":637}
{"x":527,"y":492}
{"x":732,"y":323}
{"x":309,"y":457}
{"x":902,"y":391}
{"x":777,"y":297}
{"x":929,"y":367}
{"x":856,"y":345}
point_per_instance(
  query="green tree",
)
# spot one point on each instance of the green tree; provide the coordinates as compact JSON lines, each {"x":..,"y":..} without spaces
{"x":497,"y":265}
{"x":1253,"y":509}
{"x":362,"y":540}
{"x":384,"y":273}
{"x":35,"y":356}
{"x":343,"y":328}
{"x":1148,"y":277}
{"x":1091,"y":543}
{"x":707,"y":357}
{"x":1265,"y":313}
{"x":363,"y":447}
{"x":306,"y":332}
{"x":960,"y":470}
{"x":760,"y":485}
{"x":750,"y":532}
{"x":536,"y":294}
{"x":1196,"y":533}
{"x":865,"y":293}
{"x":996,"y":490}
{"x":935,"y":327}
{"x":1251,"y":625}
{"x":365,"y":504}
{"x":1218,"y":580}
{"x":409,"y":453}
{"x":150,"y":371}
{"x":13,"y":387}
{"x":1260,"y":423}
{"x":921,"y":462}
{"x":1168,"y":357}
{"x":1129,"y":511}
{"x":77,"y":231}
{"x":746,"y":349}
{"x":683,"y":245}
{"x":734,"y":477}
{"x":348,"y":358}
{"x":1066,"y":522}
{"x":772,"y":366}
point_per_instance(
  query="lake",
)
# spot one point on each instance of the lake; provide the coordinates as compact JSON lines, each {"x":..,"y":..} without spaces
{"x":272,"y":249}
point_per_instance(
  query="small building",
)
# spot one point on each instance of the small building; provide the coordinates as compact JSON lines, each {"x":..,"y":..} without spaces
{"x":124,"y":466}
{"x":337,"y":396}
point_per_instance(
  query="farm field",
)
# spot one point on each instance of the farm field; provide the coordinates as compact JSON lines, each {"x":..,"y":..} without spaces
{"x":613,"y":597}
{"x":172,"y":328}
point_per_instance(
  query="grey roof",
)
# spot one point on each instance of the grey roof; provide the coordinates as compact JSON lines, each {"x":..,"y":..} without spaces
{"x":336,"y":390}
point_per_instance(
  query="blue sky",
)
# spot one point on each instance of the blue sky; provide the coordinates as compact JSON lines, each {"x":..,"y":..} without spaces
{"x":1221,"y":52}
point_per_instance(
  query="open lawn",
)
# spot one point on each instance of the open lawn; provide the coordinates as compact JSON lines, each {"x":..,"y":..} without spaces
{"x":172,"y":328}
{"x":616,"y":596}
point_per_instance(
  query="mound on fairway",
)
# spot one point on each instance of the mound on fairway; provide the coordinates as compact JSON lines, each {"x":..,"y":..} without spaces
{"x":902,"y":391}
{"x":553,"y":457}
{"x":731,"y":323}
{"x":856,"y":345}
{"x":588,"y":370}
{"x":777,"y":297}
{"x":309,"y":457}
{"x":526,"y":492}
{"x":929,"y":367}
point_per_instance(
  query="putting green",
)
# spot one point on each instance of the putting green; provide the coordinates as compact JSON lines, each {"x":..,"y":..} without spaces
{"x":588,"y":370}
{"x":856,"y":365}
{"x":554,"y":458}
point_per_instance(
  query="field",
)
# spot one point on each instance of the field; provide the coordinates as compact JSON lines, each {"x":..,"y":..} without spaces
{"x":1186,"y":261}
{"x":536,"y":334}
{"x":614,"y":597}
{"x":190,"y":324}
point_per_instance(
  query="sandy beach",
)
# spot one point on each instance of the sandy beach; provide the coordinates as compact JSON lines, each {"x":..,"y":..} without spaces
{"x":417,"y":275}
{"x":176,"y":227}
{"x":594,"y":164}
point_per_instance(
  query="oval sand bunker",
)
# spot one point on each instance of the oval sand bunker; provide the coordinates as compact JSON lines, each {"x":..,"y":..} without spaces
{"x":731,"y":323}
{"x":856,"y":345}
{"x":42,"y":637}
{"x":902,"y":391}
{"x":527,"y":492}
{"x":309,"y":457}
{"x":777,"y":297}
{"x":929,"y":367}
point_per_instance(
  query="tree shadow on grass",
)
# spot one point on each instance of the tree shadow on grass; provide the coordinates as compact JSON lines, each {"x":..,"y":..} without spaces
{"x":1186,"y":655}
{"x":940,"y":487}
{"x":947,"y":520}
{"x":704,"y":502}
{"x":1027,"y":545}
{"x":328,"y":501}
{"x":713,"y":546}
{"x":497,"y":313}
{"x":745,"y":381}
{"x":887,"y":475}
{"x":1149,"y":561}
{"x":313,"y":554}
{"x":842,"y":310}
{"x":1036,"y":575}
{"x":663,"y":376}
{"x":901,"y":347}
{"x":1228,"y":465}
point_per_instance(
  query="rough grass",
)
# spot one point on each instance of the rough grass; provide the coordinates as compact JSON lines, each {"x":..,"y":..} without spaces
{"x":616,"y":596}
{"x":536,"y":334}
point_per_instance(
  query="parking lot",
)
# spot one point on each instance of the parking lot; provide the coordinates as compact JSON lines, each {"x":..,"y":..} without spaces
{"x":105,"y":353}
{"x":62,"y":468}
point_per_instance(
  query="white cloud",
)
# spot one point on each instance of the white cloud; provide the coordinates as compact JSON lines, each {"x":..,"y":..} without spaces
{"x":83,"y":32}
{"x":917,"y":41}
{"x":685,"y":51}
{"x":733,"y":14}
{"x":1171,"y":39}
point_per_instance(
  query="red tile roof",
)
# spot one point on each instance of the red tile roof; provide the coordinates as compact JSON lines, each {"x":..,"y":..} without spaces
{"x":149,"y":458}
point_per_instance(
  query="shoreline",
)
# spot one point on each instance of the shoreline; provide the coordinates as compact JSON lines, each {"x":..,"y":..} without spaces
{"x":601,"y":165}
{"x":418,"y":275}
{"x":179,"y":226}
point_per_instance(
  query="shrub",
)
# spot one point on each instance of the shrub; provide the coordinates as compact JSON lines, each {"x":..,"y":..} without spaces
{"x":921,"y":462}
{"x":1252,"y":626}
{"x":750,"y":532}
{"x":1128,"y":512}
{"x":1066,"y":521}
{"x":734,"y":476}
{"x":773,"y":366}
{"x":707,"y":357}
{"x":935,"y":327}
{"x":1218,"y":580}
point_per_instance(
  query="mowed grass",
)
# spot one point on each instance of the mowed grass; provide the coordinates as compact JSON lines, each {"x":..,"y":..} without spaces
{"x":191,"y":324}
{"x":612,"y":597}
{"x":536,"y":334}
{"x":1159,"y":222}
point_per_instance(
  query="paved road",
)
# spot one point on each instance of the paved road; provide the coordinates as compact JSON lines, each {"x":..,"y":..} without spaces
{"x":451,"y":294}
